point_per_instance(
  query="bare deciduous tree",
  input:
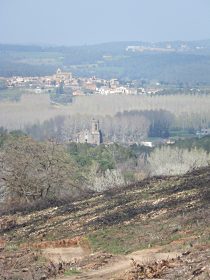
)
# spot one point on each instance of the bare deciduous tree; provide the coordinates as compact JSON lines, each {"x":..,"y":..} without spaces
{"x":110,"y":179}
{"x":168,"y":160}
{"x":31,"y":171}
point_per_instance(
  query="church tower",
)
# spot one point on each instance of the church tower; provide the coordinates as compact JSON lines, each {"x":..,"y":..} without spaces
{"x":95,"y":126}
{"x":96,"y":133}
{"x":92,"y":136}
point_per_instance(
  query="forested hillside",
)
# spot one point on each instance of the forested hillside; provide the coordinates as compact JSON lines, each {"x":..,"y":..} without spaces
{"x":182,"y":67}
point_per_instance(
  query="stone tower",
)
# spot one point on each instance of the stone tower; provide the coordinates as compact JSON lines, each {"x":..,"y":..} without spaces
{"x":92,"y":136}
{"x":96,"y":133}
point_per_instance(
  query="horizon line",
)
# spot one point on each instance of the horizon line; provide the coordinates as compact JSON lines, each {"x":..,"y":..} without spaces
{"x":95,"y":44}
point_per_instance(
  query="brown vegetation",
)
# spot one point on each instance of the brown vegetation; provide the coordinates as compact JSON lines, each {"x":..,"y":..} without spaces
{"x":63,"y":243}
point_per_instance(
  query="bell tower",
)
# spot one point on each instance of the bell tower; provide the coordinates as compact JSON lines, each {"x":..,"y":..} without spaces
{"x":95,"y":126}
{"x":95,"y":132}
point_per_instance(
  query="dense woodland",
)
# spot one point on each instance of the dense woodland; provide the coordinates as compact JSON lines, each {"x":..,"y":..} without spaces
{"x":122,"y":118}
{"x":127,"y":119}
{"x":128,"y":127}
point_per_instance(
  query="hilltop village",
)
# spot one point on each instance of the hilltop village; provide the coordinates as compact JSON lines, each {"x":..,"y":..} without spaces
{"x":78,"y":86}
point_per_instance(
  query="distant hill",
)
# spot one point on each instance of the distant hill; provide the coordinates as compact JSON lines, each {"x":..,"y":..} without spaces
{"x":180,"y":63}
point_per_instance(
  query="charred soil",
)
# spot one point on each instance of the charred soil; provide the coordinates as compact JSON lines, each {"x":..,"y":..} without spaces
{"x":168,"y":213}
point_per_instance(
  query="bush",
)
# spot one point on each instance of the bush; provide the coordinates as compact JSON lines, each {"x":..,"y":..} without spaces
{"x":168,"y":160}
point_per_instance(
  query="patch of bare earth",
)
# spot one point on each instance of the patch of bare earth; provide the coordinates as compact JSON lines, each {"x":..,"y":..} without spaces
{"x":116,"y":266}
{"x":41,"y":260}
{"x":93,"y":238}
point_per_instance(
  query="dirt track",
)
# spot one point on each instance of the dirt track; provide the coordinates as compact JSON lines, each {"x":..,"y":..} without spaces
{"x":111,"y":269}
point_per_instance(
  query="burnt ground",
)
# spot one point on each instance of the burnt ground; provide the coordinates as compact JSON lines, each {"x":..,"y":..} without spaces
{"x":173,"y":212}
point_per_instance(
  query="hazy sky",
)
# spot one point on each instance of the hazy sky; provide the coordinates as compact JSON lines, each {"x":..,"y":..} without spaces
{"x":76,"y":22}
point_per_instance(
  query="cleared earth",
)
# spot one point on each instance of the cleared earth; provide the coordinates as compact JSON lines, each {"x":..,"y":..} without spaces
{"x":156,"y":229}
